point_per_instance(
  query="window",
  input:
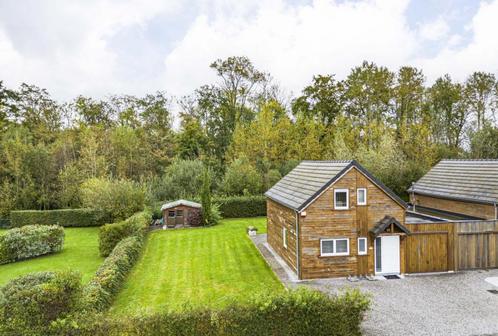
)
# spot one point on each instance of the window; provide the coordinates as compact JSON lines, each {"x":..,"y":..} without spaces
{"x":361,"y":196}
{"x":284,"y":237}
{"x":362,"y":246}
{"x":334,"y":247}
{"x":179,"y":213}
{"x":341,"y":199}
{"x":171,"y":213}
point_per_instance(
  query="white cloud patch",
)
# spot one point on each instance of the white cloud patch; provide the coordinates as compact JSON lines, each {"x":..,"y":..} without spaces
{"x":66,"y":46}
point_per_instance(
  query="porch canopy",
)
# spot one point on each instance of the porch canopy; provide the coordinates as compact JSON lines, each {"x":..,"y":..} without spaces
{"x":391,"y":223}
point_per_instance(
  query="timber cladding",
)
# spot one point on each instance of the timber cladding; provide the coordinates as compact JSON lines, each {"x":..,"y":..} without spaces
{"x":478,"y":210}
{"x":322,"y":221}
{"x":280,"y":217}
{"x":477,"y":244}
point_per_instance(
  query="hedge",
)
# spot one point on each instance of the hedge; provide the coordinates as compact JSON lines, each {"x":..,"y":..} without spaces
{"x":4,"y":223}
{"x":109,"y":278}
{"x":294,"y":313}
{"x":242,"y":206}
{"x":62,"y":217}
{"x":30,"y":241}
{"x":231,"y":206}
{"x":29,"y":304}
{"x":111,"y":234}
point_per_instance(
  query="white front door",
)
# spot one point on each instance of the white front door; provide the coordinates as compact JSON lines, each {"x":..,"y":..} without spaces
{"x":387,"y":255}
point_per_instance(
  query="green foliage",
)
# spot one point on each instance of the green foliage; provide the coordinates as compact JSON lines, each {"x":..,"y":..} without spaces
{"x":30,"y":304}
{"x":241,"y":178}
{"x":117,"y":199}
{"x":30,"y":241}
{"x":111,"y":234}
{"x":99,"y":293}
{"x":294,"y":313}
{"x":242,"y":206}
{"x":210,"y":211}
{"x":484,"y":143}
{"x":63,"y":217}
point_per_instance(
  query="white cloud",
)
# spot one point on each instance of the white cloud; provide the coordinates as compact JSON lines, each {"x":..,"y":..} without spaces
{"x":435,"y":30}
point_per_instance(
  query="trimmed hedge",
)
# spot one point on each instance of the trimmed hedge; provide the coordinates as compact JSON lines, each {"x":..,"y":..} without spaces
{"x":29,"y":304}
{"x":294,"y":313}
{"x":30,"y":241}
{"x":101,"y":290}
{"x":62,"y":217}
{"x":242,"y":206}
{"x":111,"y":234}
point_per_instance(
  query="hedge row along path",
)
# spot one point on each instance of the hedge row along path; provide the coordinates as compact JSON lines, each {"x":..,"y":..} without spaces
{"x":81,"y":253}
{"x":200,"y":266}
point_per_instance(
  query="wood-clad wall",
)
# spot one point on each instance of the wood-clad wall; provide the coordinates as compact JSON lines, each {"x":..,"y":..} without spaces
{"x":466,"y":208}
{"x":323,"y":221}
{"x":279,"y":217}
{"x":477,"y":244}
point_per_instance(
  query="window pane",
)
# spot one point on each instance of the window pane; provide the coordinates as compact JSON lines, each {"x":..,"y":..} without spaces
{"x":342,"y":246}
{"x":362,"y":245}
{"x":378,"y":254}
{"x":341,"y":199}
{"x":171,"y":214}
{"x":361,"y":196}
{"x":179,"y":212}
{"x":327,"y":246}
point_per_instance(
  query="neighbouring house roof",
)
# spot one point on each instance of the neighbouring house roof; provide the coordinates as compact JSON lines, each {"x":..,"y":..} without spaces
{"x":384,"y":223}
{"x":309,"y":179}
{"x":180,"y":202}
{"x":465,"y":180}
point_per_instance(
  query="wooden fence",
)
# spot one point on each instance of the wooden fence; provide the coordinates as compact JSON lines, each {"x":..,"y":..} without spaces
{"x":458,"y":245}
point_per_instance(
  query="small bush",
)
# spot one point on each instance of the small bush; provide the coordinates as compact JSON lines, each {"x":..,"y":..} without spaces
{"x":29,"y":304}
{"x":4,"y":223}
{"x":63,"y":217}
{"x":30,"y":241}
{"x":293,"y":313}
{"x":100,"y":292}
{"x":242,"y":206}
{"x":111,"y":234}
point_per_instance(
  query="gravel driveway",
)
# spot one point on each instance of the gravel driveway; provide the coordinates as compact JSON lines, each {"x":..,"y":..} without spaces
{"x":443,"y":304}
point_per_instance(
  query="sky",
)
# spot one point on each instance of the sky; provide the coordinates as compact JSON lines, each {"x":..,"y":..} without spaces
{"x":101,"y":48}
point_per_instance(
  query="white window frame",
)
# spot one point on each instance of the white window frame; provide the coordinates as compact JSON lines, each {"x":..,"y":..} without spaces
{"x":366,"y":246}
{"x":358,"y":196}
{"x":334,"y":254}
{"x":284,"y":237}
{"x":347,"y":199}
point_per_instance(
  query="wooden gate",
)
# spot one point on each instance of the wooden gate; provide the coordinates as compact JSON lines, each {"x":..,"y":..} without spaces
{"x":477,"y":244}
{"x":430,"y":248}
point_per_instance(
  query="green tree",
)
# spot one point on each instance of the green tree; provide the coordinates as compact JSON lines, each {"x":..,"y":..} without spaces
{"x":210,"y":211}
{"x":481,"y":96}
{"x":484,"y":143}
{"x":242,"y":178}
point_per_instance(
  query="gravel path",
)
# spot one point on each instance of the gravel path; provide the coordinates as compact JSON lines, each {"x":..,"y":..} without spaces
{"x":444,"y":304}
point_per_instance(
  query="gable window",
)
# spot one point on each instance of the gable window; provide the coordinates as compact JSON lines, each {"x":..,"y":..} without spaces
{"x":284,"y":237}
{"x":362,"y":246}
{"x":361,"y":196}
{"x":334,"y":247}
{"x":341,"y":199}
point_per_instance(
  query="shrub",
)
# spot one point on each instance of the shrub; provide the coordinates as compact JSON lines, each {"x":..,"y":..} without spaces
{"x":242,"y":178}
{"x":29,"y":304}
{"x":4,"y":223}
{"x":242,"y":206}
{"x":62,"y":217}
{"x":117,"y":199}
{"x":30,"y":241}
{"x":100,"y":292}
{"x":294,"y":313}
{"x":111,"y":234}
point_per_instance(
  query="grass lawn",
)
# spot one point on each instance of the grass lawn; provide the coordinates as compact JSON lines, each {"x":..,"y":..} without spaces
{"x":81,"y":252}
{"x":205,"y":266}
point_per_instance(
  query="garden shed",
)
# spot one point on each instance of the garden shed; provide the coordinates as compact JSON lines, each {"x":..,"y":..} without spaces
{"x":182,"y":213}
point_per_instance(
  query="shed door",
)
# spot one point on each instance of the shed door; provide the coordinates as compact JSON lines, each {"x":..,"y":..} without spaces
{"x":387,"y":255}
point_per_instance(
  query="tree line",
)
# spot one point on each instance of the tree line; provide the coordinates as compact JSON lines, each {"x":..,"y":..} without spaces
{"x":243,"y":127}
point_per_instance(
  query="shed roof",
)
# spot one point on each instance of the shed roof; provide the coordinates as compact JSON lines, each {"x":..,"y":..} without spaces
{"x":180,"y":202}
{"x":465,"y":180}
{"x":309,"y":179}
{"x":381,"y":226}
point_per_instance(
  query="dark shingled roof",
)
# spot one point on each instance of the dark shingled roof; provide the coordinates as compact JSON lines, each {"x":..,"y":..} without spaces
{"x":305,"y":182}
{"x":384,"y":223}
{"x":465,"y":180}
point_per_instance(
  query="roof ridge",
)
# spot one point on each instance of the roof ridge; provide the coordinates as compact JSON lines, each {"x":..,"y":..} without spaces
{"x":337,"y":161}
{"x":468,"y":160}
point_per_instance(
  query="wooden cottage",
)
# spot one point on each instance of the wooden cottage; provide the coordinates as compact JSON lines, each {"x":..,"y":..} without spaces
{"x":182,"y":213}
{"x":334,"y":219}
{"x":458,"y":189}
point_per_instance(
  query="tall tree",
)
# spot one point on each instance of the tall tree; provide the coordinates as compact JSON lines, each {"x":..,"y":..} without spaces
{"x":481,"y":96}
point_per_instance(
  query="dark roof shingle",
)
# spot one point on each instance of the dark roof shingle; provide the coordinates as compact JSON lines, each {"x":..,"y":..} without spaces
{"x":466,"y":180}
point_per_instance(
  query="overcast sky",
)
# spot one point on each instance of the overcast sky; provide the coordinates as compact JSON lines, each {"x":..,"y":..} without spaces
{"x":99,"y":48}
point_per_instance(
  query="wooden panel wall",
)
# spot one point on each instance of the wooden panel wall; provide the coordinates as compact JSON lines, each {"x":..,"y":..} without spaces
{"x":466,"y":208}
{"x":323,"y":221}
{"x":278,"y":217}
{"x":477,"y":244}
{"x":430,"y":248}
